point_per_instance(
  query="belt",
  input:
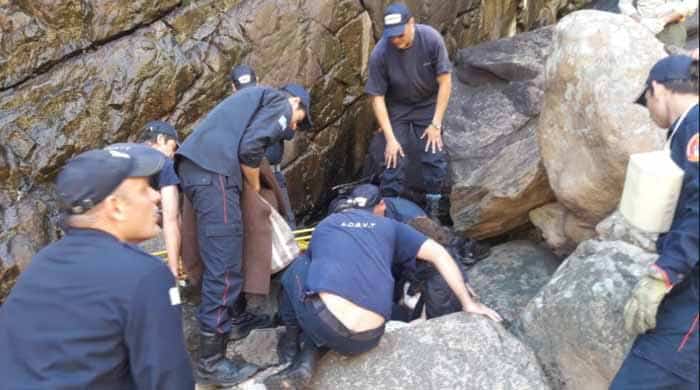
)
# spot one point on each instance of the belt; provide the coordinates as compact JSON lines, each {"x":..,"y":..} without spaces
{"x":276,"y":168}
{"x":332,"y":322}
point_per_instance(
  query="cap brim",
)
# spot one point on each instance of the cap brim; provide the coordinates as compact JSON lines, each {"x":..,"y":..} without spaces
{"x":642,"y":99}
{"x":394,"y":31}
{"x":146,"y":163}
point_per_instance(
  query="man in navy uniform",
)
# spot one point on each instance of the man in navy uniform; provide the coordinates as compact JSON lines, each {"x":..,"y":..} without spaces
{"x":164,"y":138}
{"x":92,"y":310}
{"x":663,"y":307}
{"x":243,"y":76}
{"x":225,"y":149}
{"x":410,"y":83}
{"x":340,"y":293}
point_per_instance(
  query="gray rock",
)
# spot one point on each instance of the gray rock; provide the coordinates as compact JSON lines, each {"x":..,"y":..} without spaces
{"x":458,"y":351}
{"x":574,"y":324}
{"x":511,"y":276}
{"x":561,"y":229}
{"x":490,"y":130}
{"x":589,"y":124}
{"x":259,"y":348}
{"x":616,"y":228}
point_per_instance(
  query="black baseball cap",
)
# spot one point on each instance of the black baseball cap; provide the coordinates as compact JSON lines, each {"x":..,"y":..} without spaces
{"x":676,"y":67}
{"x":164,"y":128}
{"x":396,"y":16}
{"x":299,"y":91}
{"x":243,"y":76}
{"x":88,"y":178}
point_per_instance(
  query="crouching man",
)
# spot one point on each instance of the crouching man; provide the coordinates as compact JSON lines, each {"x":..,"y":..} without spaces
{"x":339,"y":295}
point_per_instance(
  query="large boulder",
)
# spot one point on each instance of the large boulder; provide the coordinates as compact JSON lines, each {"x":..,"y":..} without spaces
{"x":560,"y":228}
{"x":512,"y":275}
{"x":495,"y":164}
{"x":616,"y":228}
{"x":589,"y":125}
{"x":575,"y":322}
{"x":458,"y":351}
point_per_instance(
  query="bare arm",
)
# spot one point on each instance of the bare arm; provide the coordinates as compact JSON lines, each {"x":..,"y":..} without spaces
{"x":434,"y":253}
{"x":393,"y":148}
{"x":433,"y":133}
{"x":251,"y":176}
{"x":171,"y":225}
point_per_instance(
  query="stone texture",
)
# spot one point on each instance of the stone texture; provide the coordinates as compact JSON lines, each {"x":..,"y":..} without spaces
{"x":458,"y":351}
{"x":616,"y":228}
{"x":589,"y":125}
{"x":511,"y":276}
{"x":561,"y":229}
{"x":490,"y":130}
{"x":575,"y":322}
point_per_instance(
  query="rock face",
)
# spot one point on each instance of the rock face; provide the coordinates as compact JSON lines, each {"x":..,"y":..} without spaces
{"x":458,"y":351}
{"x":616,"y":228}
{"x":495,"y":164}
{"x":511,"y":276}
{"x":575,"y":323}
{"x":561,"y":229}
{"x":589,"y":125}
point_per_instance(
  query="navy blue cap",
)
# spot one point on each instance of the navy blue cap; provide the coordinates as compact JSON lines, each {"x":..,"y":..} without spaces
{"x":676,"y":67}
{"x":164,"y":128}
{"x":88,"y":178}
{"x":396,"y":16}
{"x":365,"y":196}
{"x":299,"y":91}
{"x":243,"y":76}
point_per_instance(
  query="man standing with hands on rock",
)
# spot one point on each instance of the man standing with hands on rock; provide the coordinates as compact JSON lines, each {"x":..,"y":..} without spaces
{"x":410,"y":84}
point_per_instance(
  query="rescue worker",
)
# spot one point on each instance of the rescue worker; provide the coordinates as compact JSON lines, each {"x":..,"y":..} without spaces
{"x":339,"y":294}
{"x":164,"y":138}
{"x":663,"y":307}
{"x":92,"y":310}
{"x":243,"y":76}
{"x":410,"y":83}
{"x":225,"y":149}
{"x":664,"y":18}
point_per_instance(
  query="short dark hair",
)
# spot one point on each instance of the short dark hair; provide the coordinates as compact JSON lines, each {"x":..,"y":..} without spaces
{"x":152,"y":137}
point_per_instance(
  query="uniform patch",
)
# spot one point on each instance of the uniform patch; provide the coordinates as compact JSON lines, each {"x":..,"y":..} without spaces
{"x":392,"y":19}
{"x":283,"y":122}
{"x":693,"y":151}
{"x":117,"y":154}
{"x":174,"y":296}
{"x":245,"y":79}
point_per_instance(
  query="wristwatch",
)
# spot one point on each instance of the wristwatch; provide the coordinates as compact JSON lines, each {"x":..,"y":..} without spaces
{"x":433,"y":124}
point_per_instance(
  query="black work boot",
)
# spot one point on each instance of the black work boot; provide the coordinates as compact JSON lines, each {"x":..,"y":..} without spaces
{"x":432,"y":206}
{"x":213,"y":368}
{"x":298,"y":375}
{"x":288,"y":344}
{"x":243,"y":323}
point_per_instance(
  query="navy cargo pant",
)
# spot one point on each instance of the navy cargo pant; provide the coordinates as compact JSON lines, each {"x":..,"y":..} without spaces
{"x":216,"y":202}
{"x":306,"y":310}
{"x":666,"y":357}
{"x":419,"y":170}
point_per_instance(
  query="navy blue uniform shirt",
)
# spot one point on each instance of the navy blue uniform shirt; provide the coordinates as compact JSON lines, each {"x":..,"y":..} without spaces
{"x":402,"y":210}
{"x":352,"y":254}
{"x":275,"y":152}
{"x":238,"y":130}
{"x":166,"y":177}
{"x":91,"y":312}
{"x":408,"y":78}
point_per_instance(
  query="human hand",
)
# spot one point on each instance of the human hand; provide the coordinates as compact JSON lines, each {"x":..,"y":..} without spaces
{"x":479,"y":308}
{"x":392,"y":153}
{"x":434,"y":139}
{"x":643,"y":304}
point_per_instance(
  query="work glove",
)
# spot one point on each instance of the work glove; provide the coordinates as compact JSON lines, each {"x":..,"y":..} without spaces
{"x":641,"y":307}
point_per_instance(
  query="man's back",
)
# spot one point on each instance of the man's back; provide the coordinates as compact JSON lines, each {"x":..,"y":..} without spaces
{"x":92,"y":312}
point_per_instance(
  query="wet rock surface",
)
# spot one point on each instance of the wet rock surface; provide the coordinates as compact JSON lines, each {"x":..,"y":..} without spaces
{"x":512,"y":275}
{"x":490,"y":134}
{"x":575,"y":324}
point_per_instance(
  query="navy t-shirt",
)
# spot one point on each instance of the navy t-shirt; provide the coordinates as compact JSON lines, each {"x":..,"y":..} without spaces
{"x":166,"y":177}
{"x":402,"y":210}
{"x":408,"y":78}
{"x":91,"y":312}
{"x":275,"y":152}
{"x":352,"y":254}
